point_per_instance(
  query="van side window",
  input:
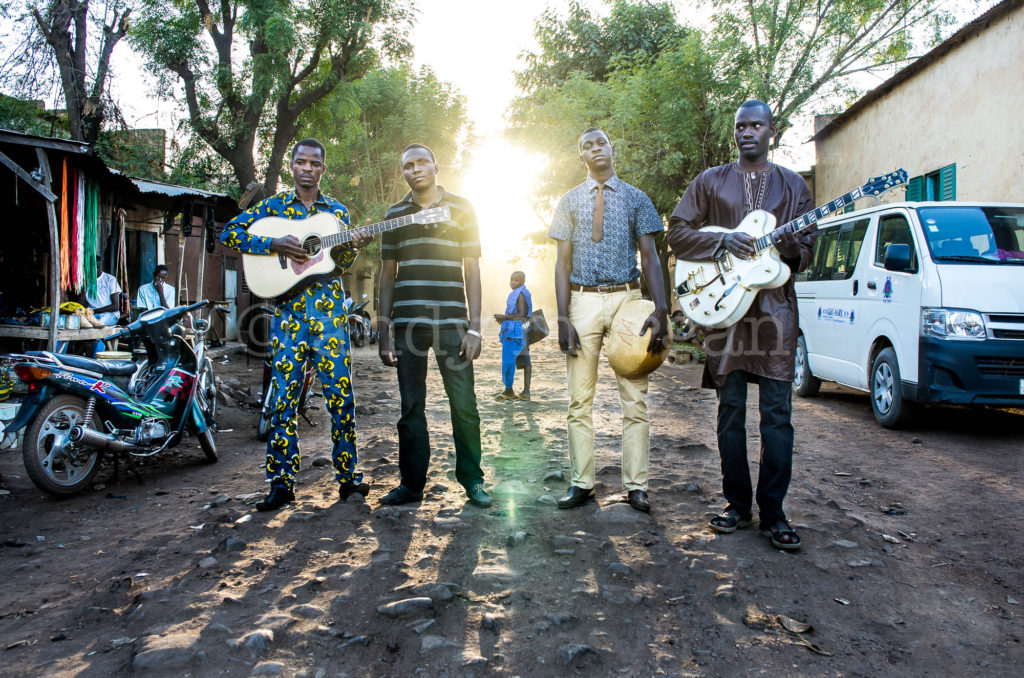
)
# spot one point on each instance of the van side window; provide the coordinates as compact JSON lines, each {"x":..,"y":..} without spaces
{"x":850,"y":240}
{"x":894,"y":230}
{"x":824,"y":256}
{"x":836,"y":251}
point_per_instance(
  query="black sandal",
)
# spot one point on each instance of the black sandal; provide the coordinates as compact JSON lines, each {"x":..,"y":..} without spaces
{"x":782,"y":535}
{"x":729,"y":521}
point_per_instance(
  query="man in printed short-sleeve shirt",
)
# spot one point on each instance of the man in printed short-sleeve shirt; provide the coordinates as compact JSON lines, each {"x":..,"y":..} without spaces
{"x":595,"y":275}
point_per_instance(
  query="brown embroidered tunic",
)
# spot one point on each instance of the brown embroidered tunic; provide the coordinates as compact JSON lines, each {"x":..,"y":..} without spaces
{"x":763,"y":342}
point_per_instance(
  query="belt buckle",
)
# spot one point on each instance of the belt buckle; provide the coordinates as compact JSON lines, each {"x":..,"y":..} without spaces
{"x":601,"y":289}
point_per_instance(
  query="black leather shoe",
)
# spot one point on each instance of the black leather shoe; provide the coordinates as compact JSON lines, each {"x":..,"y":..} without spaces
{"x":576,"y":496}
{"x":348,"y":488}
{"x":278,"y":497}
{"x":478,"y":496}
{"x":638,"y":500}
{"x":401,"y":495}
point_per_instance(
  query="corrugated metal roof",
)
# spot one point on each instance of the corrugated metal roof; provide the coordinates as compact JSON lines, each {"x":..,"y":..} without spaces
{"x":173,"y":191}
{"x":968,"y":31}
{"x":8,"y":136}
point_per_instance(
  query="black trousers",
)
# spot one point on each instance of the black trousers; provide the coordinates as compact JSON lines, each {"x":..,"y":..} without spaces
{"x":776,"y":407}
{"x":413,"y":345}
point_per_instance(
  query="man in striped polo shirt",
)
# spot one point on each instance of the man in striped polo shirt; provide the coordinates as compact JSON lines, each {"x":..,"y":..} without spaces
{"x":424,"y":300}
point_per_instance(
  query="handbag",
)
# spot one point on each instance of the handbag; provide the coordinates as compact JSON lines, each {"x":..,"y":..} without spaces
{"x":536,"y":327}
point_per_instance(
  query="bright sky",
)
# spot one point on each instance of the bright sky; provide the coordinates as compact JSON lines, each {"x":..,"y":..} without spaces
{"x":475,"y":45}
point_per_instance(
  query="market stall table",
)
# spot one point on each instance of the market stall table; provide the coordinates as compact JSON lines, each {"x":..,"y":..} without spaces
{"x":63,"y":336}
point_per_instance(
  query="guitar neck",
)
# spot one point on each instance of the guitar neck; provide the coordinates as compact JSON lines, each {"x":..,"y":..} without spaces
{"x":812,"y":217}
{"x":372,"y":229}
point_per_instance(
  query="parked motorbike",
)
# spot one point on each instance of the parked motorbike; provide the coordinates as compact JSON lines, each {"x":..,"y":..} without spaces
{"x":79,"y":408}
{"x":360,"y":327}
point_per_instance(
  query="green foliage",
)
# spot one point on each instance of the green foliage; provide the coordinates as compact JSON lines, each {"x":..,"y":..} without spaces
{"x":194,"y":164}
{"x":29,"y":117}
{"x":61,"y":49}
{"x":666,"y":94}
{"x":251,"y":69}
{"x":365,"y":125}
{"x":583,"y":43}
{"x":666,"y":107}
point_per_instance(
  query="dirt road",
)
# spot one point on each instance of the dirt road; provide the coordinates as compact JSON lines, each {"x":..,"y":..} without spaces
{"x":910,"y":565}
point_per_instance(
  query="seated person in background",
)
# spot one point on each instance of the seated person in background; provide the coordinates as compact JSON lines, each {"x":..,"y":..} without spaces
{"x":157,"y":294}
{"x":106,"y":304}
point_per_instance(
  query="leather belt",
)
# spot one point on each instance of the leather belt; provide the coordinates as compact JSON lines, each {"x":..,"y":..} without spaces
{"x":604,"y":289}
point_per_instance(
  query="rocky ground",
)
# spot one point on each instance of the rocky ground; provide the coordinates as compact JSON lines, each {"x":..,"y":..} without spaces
{"x":910,"y":565}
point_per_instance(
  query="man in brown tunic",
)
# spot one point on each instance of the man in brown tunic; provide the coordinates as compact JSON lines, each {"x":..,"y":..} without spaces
{"x":760,"y":347}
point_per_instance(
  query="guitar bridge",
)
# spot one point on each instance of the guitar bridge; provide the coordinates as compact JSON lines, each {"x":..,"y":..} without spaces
{"x":284,"y":261}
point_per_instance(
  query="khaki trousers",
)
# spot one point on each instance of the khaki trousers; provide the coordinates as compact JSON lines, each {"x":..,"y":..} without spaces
{"x":591,"y":314}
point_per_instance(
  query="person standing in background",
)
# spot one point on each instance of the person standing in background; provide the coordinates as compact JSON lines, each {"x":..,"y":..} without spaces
{"x":515,"y":345}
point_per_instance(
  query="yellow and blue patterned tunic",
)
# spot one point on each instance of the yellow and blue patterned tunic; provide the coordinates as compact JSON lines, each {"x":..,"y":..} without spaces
{"x":310,"y":326}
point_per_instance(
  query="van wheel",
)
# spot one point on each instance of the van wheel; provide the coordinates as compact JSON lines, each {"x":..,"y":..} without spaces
{"x":890,"y":408}
{"x":805,"y":384}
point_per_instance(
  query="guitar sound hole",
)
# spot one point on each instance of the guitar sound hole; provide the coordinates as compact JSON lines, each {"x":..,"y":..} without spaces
{"x":311,"y":244}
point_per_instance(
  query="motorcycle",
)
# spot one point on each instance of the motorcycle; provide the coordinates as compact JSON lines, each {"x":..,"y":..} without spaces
{"x":360,"y":327}
{"x":79,"y":408}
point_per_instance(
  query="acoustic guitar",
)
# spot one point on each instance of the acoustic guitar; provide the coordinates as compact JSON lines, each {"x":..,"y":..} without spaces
{"x":272,"y":275}
{"x":716,"y":293}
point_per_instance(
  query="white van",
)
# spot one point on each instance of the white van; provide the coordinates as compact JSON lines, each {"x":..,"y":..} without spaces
{"x":916,"y":302}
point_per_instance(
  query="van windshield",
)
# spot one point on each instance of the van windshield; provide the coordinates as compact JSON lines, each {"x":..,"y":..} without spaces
{"x":974,"y":235}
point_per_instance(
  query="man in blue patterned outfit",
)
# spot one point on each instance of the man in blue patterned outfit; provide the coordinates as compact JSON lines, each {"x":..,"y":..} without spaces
{"x":599,"y":227}
{"x":308,"y":325}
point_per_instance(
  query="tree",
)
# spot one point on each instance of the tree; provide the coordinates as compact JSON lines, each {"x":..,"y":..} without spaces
{"x":250,"y":69}
{"x":667,"y":96}
{"x":787,"y":52}
{"x":583,"y":43}
{"x":365,"y":125}
{"x":647,"y":81}
{"x":63,"y":39}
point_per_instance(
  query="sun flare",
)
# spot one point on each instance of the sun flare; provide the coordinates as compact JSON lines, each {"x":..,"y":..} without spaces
{"x":499,"y":182}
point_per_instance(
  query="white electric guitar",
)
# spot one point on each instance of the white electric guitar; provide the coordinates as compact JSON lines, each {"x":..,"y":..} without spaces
{"x":716,"y":293}
{"x":272,"y":275}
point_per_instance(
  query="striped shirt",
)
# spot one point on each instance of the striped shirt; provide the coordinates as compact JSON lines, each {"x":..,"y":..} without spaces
{"x":429,"y":288}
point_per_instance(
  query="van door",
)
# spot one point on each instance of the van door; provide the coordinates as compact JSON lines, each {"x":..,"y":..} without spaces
{"x":891,"y":301}
{"x":831,"y":303}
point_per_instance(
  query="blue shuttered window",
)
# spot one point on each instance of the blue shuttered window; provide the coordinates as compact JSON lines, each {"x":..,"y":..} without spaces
{"x":939,"y":185}
{"x":947,"y":183}
{"x":915,"y":189}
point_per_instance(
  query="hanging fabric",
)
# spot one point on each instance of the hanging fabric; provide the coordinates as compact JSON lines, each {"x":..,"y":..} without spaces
{"x":72,"y":222}
{"x":90,"y":240}
{"x":79,"y":269}
{"x":65,"y":269}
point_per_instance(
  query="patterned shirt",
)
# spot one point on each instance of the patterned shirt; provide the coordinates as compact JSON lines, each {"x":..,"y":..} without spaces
{"x":628,"y":214}
{"x":429,"y":288}
{"x":286,"y":204}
